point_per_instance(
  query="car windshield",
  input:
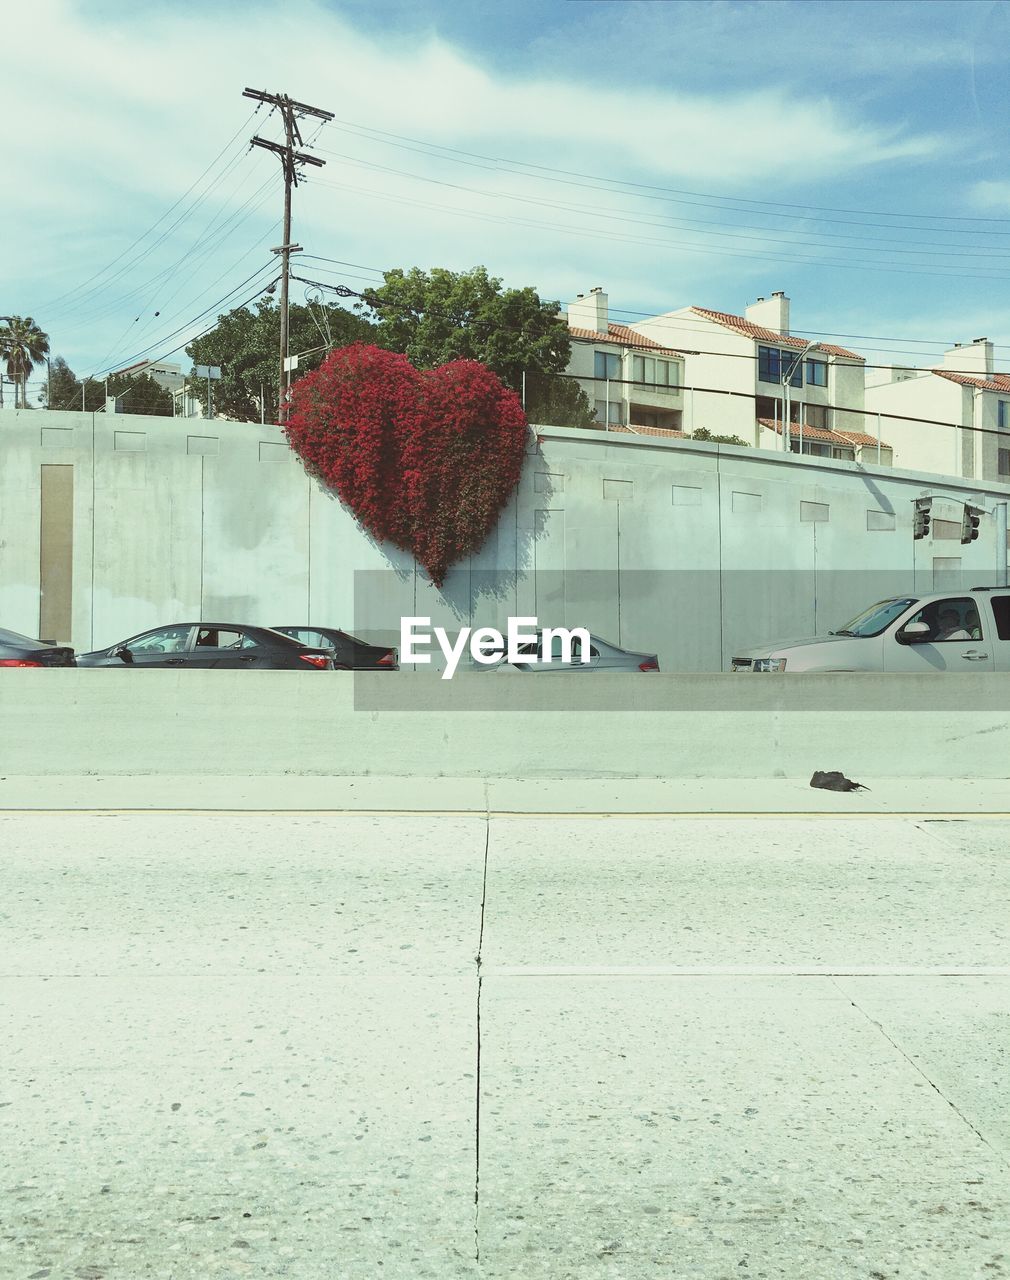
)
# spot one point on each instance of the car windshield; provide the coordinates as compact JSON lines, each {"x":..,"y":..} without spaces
{"x":877,"y":618}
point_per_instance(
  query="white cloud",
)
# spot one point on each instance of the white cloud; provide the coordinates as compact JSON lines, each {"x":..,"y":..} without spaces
{"x":120,"y":116}
{"x":991,"y":195}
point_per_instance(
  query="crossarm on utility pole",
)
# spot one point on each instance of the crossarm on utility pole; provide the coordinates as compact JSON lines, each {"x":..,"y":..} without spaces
{"x":290,"y":158}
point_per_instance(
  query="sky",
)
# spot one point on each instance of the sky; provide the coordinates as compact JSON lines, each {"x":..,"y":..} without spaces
{"x":673,"y":152}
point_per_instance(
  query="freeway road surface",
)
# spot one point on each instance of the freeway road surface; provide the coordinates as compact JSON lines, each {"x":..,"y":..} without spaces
{"x":319,"y":1045}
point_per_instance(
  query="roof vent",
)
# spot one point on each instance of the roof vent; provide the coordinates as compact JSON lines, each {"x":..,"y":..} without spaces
{"x":779,"y":293}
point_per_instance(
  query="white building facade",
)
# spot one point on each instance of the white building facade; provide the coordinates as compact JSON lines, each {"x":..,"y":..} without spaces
{"x":630,"y":380}
{"x":741,"y":376}
{"x":954,"y":418}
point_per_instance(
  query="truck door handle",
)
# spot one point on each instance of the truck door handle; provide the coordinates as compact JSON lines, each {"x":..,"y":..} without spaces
{"x":974,"y":657}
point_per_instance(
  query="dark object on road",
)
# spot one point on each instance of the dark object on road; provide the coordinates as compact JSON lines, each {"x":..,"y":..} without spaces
{"x":832,"y":780}
{"x":22,"y":651}
{"x":349,"y":653}
{"x":211,"y":644}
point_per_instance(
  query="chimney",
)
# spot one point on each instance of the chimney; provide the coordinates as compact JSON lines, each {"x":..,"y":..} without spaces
{"x":770,"y":313}
{"x":589,"y":311}
{"x":975,"y":358}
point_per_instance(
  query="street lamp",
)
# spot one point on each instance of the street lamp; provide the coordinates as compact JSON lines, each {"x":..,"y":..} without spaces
{"x":786,"y":376}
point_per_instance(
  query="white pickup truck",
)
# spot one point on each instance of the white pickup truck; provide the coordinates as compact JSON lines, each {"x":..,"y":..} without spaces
{"x":944,"y":631}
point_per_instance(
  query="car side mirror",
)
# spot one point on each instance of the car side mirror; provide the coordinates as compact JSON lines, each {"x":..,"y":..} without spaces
{"x":915,"y":633}
{"x":124,"y":653}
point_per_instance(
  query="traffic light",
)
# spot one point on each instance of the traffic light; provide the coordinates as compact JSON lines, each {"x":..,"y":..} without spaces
{"x":920,"y":526}
{"x":969,"y":524}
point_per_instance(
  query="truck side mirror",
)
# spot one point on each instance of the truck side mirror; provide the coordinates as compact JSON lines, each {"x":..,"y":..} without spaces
{"x":915,"y":633}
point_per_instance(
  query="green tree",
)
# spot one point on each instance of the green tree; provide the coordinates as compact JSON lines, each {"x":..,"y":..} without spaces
{"x":63,"y":389}
{"x":245,"y":344}
{"x":703,"y":433}
{"x":556,"y":401}
{"x":23,"y":345}
{"x":138,"y":393}
{"x":437,"y":316}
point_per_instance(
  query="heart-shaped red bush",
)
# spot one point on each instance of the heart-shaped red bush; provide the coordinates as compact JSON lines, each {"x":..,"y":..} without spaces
{"x":425,"y":460}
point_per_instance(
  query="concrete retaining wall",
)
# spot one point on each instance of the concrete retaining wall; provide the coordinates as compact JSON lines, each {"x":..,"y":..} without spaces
{"x":685,"y":549}
{"x":258,"y":723}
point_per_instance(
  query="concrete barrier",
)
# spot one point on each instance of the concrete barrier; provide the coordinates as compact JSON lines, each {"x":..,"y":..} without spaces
{"x":233,"y":724}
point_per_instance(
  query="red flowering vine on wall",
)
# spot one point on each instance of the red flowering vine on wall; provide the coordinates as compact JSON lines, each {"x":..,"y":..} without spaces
{"x":425,"y":460}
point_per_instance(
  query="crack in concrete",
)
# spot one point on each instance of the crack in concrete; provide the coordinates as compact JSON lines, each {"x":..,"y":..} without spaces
{"x":1000,"y":1155}
{"x":480,"y":983}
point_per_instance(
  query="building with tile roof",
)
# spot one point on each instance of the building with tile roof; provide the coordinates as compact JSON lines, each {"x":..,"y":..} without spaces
{"x":747,"y":370}
{"x":628,"y":377}
{"x":729,"y":371}
{"x":953,"y":418}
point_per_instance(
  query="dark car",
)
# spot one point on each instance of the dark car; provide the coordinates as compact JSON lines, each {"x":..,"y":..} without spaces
{"x":211,"y":644}
{"x":21,"y":651}
{"x":349,"y":653}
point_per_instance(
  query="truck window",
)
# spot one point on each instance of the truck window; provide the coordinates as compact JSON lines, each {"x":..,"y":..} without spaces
{"x":1001,"y":612}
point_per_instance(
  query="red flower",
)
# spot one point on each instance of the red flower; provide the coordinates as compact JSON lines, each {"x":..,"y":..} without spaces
{"x":426,"y":461}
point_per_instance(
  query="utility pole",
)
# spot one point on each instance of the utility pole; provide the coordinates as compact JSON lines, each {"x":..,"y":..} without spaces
{"x":291,"y":112}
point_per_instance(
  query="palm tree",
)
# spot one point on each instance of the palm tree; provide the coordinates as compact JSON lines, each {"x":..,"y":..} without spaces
{"x":23,"y":345}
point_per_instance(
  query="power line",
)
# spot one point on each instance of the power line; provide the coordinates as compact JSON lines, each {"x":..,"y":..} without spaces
{"x":569,"y":230}
{"x":241,"y":129}
{"x":692,"y":226}
{"x":182,"y":328}
{"x":691,"y":325}
{"x":108,"y":307}
{"x":728,"y":202}
{"x":291,"y":112}
{"x":835,"y":408}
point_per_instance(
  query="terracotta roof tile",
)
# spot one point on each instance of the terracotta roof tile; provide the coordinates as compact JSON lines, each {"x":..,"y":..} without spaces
{"x":622,"y":336}
{"x":995,"y":382}
{"x":651,"y":431}
{"x":838,"y":437}
{"x":809,"y":432}
{"x":750,"y":330}
{"x":860,"y":437}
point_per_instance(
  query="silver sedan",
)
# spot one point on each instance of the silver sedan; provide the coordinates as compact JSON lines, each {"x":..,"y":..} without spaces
{"x":603,"y":656}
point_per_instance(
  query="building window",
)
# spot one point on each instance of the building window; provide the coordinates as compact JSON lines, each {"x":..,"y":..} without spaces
{"x":614,"y":414}
{"x":651,"y":372}
{"x":817,"y":373}
{"x":1003,"y":464}
{"x":1003,"y":415}
{"x":606,"y":365}
{"x":773,"y":363}
{"x":816,"y":415}
{"x":768,"y":364}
